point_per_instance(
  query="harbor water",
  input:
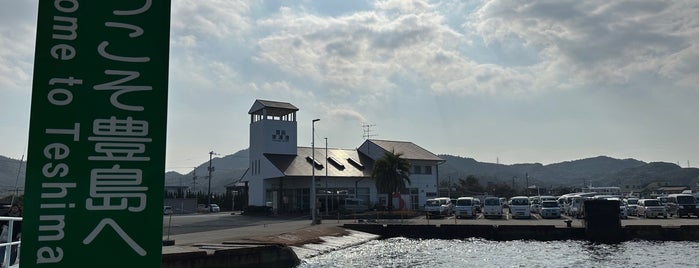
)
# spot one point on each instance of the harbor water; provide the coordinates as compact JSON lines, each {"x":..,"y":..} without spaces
{"x":475,"y":252}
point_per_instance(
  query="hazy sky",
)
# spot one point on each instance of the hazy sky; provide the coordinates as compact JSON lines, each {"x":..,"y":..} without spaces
{"x":518,"y":81}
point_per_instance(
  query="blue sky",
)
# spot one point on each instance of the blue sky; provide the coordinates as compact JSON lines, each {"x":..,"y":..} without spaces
{"x":518,"y":81}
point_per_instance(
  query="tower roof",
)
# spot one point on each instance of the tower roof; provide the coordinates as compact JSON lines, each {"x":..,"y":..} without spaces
{"x":274,"y":108}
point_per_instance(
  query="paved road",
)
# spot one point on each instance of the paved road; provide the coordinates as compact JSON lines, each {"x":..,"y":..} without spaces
{"x":192,"y":223}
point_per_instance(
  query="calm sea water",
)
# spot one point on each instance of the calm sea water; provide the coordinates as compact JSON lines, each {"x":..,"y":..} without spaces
{"x":403,"y":252}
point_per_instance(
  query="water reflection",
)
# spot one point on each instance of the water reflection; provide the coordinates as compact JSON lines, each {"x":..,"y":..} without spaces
{"x":474,"y":252}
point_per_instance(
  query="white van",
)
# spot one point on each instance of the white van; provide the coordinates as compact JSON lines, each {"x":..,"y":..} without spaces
{"x":465,"y":207}
{"x":686,"y":204}
{"x":492,"y":207}
{"x":519,"y":207}
{"x":576,"y":206}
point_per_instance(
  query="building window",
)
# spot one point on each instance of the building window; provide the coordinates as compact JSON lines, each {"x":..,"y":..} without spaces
{"x":428,"y":169}
{"x":363,"y":193}
{"x":417,"y":169}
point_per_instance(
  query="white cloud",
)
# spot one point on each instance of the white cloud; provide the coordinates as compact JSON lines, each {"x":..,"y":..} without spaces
{"x":218,"y":19}
{"x":347,"y":114}
{"x":367,"y":52}
{"x":16,"y":56}
{"x":597,"y":42}
{"x":498,"y":65}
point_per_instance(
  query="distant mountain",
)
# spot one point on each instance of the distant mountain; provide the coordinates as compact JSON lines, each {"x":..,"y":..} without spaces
{"x":227,"y":170}
{"x":8,"y":174}
{"x":598,"y":171}
{"x":667,"y":174}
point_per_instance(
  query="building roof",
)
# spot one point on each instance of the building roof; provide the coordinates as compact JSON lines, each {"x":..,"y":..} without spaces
{"x":338,"y":163}
{"x":274,"y":108}
{"x":409,"y":150}
{"x":672,"y":188}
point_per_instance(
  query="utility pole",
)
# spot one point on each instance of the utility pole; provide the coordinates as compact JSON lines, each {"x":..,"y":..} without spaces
{"x":211,"y":169}
{"x":527,"y":175}
{"x":194,"y":178}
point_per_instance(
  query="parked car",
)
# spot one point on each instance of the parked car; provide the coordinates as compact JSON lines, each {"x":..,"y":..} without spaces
{"x":546,"y":198}
{"x":464,"y":207}
{"x":167,"y":210}
{"x":632,"y":205}
{"x":576,"y":206}
{"x":651,"y":208}
{"x":477,"y":205}
{"x":686,"y":204}
{"x":440,"y":206}
{"x":670,"y":205}
{"x":550,"y":209}
{"x":214,"y":208}
{"x":492,"y":207}
{"x":519,"y":207}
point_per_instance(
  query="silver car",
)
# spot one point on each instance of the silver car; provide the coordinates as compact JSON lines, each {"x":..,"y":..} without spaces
{"x":651,"y":208}
{"x":550,"y":210}
{"x":632,"y":205}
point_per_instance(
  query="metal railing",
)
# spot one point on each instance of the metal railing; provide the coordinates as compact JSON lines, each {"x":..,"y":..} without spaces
{"x":7,"y":246}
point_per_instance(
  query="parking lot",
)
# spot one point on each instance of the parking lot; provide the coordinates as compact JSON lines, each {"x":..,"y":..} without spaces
{"x":537,"y":220}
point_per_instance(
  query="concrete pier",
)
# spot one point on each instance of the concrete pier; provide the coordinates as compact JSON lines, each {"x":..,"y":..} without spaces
{"x":284,"y":243}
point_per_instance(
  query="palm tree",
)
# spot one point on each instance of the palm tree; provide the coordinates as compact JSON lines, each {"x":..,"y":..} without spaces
{"x":391,"y":173}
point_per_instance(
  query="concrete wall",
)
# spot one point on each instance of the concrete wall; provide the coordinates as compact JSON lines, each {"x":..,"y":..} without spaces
{"x":517,"y":232}
{"x":245,"y":256}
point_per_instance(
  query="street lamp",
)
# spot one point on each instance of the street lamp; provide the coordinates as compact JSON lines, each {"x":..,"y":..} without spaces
{"x":313,"y":171}
{"x":326,"y":177}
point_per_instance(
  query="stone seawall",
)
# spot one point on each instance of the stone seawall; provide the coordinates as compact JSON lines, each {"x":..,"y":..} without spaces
{"x":230,"y":255}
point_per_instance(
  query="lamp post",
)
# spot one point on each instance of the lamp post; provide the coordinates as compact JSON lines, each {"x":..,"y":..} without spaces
{"x":313,"y":171}
{"x":326,"y":177}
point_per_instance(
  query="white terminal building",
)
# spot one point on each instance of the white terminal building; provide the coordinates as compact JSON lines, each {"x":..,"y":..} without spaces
{"x":280,"y":172}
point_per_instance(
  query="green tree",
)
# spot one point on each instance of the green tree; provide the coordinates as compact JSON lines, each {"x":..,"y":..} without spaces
{"x":502,"y":190}
{"x":470,"y":185}
{"x":391,"y":173}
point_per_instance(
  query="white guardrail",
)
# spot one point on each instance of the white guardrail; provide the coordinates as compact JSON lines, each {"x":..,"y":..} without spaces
{"x":6,"y":246}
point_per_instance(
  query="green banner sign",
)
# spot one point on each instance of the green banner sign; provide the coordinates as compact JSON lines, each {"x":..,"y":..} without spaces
{"x":95,"y":168}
